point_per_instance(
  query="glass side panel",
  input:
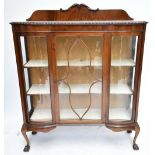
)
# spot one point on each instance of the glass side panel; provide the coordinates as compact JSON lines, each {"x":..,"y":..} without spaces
{"x":123,"y":60}
{"x":79,"y":76}
{"x":35,"y":63}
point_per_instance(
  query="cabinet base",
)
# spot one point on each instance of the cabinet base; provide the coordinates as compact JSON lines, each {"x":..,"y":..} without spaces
{"x":115,"y":127}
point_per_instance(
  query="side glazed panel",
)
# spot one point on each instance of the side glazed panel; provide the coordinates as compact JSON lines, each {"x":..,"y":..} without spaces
{"x":35,"y":64}
{"x":122,"y":77}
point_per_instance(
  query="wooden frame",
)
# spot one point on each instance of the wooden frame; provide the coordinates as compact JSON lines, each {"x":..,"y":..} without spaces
{"x":79,"y":20}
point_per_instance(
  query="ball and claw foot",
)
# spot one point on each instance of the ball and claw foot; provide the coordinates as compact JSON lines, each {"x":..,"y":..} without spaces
{"x":129,"y":131}
{"x":34,"y":132}
{"x":135,"y":147}
{"x":26,"y":148}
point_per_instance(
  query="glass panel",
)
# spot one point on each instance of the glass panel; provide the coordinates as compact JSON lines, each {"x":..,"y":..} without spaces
{"x":123,"y":60}
{"x":35,"y":63}
{"x":79,"y":66}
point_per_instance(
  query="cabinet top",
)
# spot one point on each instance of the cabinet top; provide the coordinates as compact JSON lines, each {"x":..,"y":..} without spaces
{"x":79,"y":12}
{"x":120,"y":22}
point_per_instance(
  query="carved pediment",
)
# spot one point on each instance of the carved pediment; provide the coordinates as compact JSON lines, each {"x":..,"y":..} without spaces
{"x":79,"y":6}
{"x":79,"y":12}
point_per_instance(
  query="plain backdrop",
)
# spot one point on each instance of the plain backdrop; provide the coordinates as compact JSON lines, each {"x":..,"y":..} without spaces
{"x":78,"y":140}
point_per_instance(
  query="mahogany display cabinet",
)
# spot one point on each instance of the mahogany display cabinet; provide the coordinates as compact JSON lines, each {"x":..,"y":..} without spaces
{"x":77,"y":67}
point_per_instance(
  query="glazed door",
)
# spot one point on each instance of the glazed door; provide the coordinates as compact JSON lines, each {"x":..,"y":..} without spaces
{"x":122,"y":78}
{"x":79,"y":77}
{"x":36,"y":75}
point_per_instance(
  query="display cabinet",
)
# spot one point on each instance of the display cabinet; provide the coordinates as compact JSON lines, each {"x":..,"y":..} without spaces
{"x":79,"y":66}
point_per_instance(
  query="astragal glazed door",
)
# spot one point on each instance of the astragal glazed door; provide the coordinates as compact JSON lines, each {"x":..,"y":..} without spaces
{"x":79,"y":76}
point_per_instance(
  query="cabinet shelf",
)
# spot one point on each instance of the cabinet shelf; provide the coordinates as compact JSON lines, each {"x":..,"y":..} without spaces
{"x":36,"y":63}
{"x":120,"y":89}
{"x":80,"y":88}
{"x":74,"y":63}
{"x":84,"y":88}
{"x":123,"y":62}
{"x":36,"y":89}
{"x":44,"y":114}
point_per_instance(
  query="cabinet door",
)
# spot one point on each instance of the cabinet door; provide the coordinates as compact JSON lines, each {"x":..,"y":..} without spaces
{"x":36,"y":74}
{"x":79,"y":76}
{"x":122,"y":77}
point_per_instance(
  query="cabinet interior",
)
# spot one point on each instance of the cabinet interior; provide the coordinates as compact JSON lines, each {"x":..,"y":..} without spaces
{"x":79,"y":67}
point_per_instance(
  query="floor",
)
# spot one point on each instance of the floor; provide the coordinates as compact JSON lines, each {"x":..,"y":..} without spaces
{"x":69,"y":140}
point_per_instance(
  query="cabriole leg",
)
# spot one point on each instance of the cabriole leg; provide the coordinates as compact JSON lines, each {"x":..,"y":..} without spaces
{"x":27,"y":147}
{"x":137,"y":130}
